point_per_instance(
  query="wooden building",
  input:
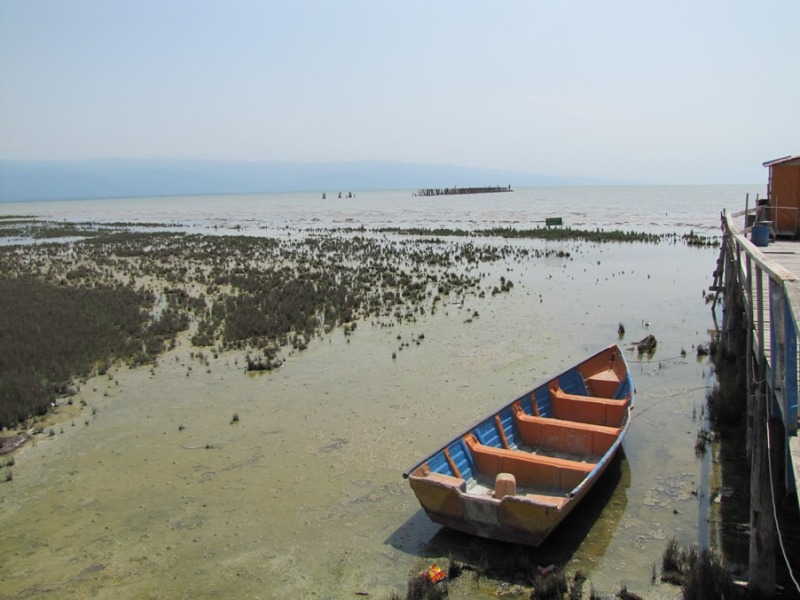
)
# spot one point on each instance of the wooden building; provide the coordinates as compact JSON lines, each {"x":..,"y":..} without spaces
{"x":783,"y":192}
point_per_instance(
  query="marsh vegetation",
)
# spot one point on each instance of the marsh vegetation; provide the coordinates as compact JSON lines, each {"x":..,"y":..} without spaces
{"x":112,"y":292}
{"x":69,"y":310}
{"x":379,"y":291}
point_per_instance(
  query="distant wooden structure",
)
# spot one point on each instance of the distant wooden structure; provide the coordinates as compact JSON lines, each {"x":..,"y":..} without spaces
{"x":461,"y":190}
{"x":783,"y":196}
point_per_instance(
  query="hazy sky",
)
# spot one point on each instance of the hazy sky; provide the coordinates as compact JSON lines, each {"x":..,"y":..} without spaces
{"x":671,"y":91}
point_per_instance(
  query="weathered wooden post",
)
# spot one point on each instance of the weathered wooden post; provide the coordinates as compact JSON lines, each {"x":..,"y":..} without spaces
{"x":732,"y":315}
{"x":752,"y":364}
{"x":762,"y":523}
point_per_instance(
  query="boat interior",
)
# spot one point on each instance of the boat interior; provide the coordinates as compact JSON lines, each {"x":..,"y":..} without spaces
{"x":550,"y":439}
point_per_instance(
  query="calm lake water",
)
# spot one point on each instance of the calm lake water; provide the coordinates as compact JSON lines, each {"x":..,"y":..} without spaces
{"x":160,"y":495}
{"x":660,"y":209}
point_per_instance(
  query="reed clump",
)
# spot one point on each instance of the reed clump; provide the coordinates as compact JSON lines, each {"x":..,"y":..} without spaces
{"x":422,"y":588}
{"x":700,"y":573}
{"x":53,"y":333}
{"x":550,"y":586}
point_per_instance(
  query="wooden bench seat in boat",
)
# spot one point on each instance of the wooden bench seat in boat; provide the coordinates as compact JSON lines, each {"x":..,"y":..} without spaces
{"x":587,"y":409}
{"x":603,"y":384}
{"x":582,"y":439}
{"x":545,"y":472}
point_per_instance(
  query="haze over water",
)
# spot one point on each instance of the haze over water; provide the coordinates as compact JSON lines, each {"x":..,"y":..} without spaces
{"x":303,"y":497}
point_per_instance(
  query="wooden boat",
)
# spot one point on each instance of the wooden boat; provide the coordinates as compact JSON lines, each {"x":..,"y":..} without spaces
{"x":515,"y":475}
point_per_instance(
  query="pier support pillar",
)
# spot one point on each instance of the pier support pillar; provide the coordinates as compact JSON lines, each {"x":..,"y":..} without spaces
{"x":730,"y":315}
{"x":762,"y":521}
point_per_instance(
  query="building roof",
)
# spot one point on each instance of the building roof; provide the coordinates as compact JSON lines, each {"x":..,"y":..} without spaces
{"x":792,"y":160}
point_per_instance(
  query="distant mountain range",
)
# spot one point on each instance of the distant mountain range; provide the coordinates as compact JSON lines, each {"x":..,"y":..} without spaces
{"x":122,"y":178}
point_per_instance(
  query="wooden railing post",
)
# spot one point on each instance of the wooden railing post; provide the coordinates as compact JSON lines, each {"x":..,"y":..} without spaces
{"x":762,"y":523}
{"x":749,"y":325}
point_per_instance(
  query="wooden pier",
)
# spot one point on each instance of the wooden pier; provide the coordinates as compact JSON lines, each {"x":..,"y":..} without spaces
{"x":761,"y":290}
{"x":454,"y":191}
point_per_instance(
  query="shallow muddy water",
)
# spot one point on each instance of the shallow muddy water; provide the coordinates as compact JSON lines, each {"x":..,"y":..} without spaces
{"x":155,"y":491}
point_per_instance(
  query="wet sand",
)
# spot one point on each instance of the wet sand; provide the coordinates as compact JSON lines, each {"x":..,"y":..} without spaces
{"x":161,"y":495}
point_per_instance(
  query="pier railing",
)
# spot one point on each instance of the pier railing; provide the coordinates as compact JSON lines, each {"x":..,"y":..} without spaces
{"x":762,"y":299}
{"x":772,"y":307}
